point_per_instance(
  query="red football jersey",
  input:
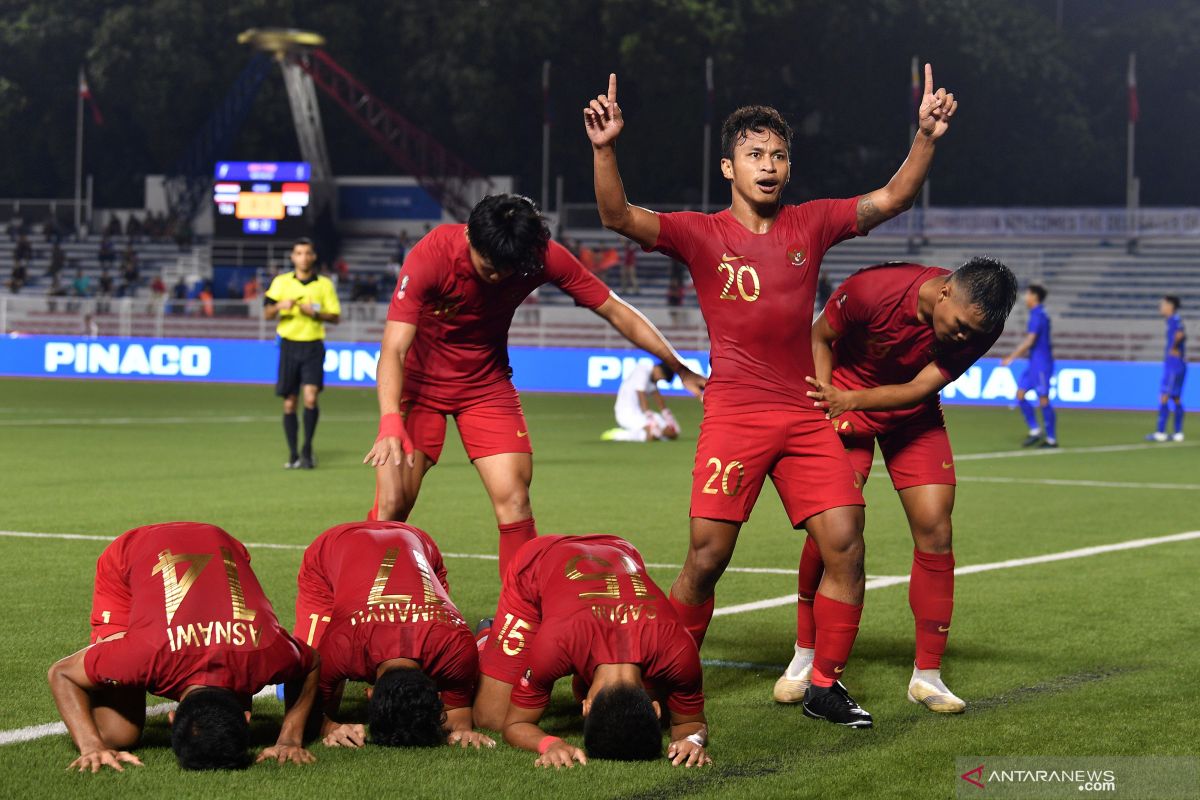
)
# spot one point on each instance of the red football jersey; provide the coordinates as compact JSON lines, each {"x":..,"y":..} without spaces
{"x":757,"y":293}
{"x":576,"y":602}
{"x":881,"y":342}
{"x":196,"y":615}
{"x":374,"y":591}
{"x":462,"y":321}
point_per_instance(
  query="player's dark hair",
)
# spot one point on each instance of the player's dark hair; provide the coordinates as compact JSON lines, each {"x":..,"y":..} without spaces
{"x":405,"y":710}
{"x":989,"y":285}
{"x":302,"y":241}
{"x":210,"y":731}
{"x":740,"y":123}
{"x":510,"y":232}
{"x":1173,"y":299}
{"x":668,"y":374}
{"x":621,"y":725}
{"x":1038,"y":290}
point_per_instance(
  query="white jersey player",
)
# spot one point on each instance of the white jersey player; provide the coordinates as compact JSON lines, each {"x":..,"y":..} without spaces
{"x":637,"y":421}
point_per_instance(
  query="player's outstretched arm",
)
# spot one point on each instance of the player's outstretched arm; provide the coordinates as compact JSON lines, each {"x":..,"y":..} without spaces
{"x":300,"y":696}
{"x":71,"y":687}
{"x":933,"y":120}
{"x":521,"y":731}
{"x":459,"y":731}
{"x":393,"y":443}
{"x":630,"y":323}
{"x":1021,"y":350}
{"x":603,"y":121}
{"x":928,"y":382}
{"x":689,"y":740}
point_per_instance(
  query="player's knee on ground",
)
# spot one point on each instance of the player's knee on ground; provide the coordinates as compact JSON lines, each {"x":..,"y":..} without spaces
{"x":210,"y":731}
{"x":622,"y":725}
{"x":405,"y":710}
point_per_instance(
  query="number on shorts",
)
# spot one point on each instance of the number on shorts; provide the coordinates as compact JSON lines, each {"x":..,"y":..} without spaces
{"x":725,"y":473}
{"x":512,"y":635}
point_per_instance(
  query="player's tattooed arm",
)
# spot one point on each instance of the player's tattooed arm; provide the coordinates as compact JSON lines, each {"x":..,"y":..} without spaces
{"x":460,"y":732}
{"x":521,"y":730}
{"x":933,"y":120}
{"x":603,"y":121}
{"x":71,"y":688}
{"x":689,"y":740}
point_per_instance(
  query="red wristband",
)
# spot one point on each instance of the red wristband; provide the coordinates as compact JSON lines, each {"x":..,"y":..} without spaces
{"x":546,"y":743}
{"x":390,"y":425}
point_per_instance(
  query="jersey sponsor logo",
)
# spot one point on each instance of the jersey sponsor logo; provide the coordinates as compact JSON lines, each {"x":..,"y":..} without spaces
{"x":448,"y":307}
{"x":100,"y":358}
{"x":796,"y":257}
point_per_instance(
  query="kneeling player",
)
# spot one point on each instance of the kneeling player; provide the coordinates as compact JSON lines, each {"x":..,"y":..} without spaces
{"x":178,"y":612}
{"x":892,"y":336}
{"x":584,"y":605}
{"x":636,"y":421}
{"x":373,"y":601}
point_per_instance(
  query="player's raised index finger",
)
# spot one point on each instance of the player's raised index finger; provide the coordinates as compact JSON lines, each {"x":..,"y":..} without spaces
{"x":928,"y":78}
{"x":612,"y":87}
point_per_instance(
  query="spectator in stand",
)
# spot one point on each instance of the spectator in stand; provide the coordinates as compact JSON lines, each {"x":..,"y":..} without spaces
{"x":675,"y":291}
{"x":104,"y":290}
{"x":393,"y":269}
{"x":18,"y":278}
{"x":82,"y":285}
{"x":629,"y":280}
{"x":107,"y":253}
{"x":58,"y":260}
{"x":51,"y":230}
{"x":402,"y":245}
{"x":22,"y":251}
{"x":206,"y":298}
{"x":179,"y":293}
{"x":56,"y":290}
{"x":134,"y":229}
{"x":158,"y":288}
{"x":113,"y":229}
{"x":130,"y":272}
{"x":252,"y":288}
{"x":342,"y":270}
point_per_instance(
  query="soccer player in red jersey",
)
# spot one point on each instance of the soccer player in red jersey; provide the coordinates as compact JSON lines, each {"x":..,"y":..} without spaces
{"x":445,"y":351}
{"x":890,"y":338}
{"x":755,"y":266}
{"x":584,"y":605}
{"x":178,"y":612}
{"x":374,"y":601}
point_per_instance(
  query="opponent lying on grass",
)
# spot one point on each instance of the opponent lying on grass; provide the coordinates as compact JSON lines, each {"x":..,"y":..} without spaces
{"x":374,"y":601}
{"x":178,"y":612}
{"x":584,"y":605}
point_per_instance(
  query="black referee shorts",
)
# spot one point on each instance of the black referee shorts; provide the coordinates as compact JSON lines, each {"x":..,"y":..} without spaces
{"x":300,"y":364}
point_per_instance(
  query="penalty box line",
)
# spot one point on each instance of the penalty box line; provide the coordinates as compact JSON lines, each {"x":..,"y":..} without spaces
{"x":54,"y":728}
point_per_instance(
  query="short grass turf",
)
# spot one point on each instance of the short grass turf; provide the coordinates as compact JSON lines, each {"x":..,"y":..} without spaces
{"x":1094,"y":656}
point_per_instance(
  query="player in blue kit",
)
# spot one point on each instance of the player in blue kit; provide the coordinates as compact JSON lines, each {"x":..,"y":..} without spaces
{"x":1036,"y":345}
{"x":1174,"y":370}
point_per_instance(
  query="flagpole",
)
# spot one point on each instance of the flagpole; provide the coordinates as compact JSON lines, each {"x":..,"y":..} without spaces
{"x":78,"y":151}
{"x":708,"y":112}
{"x":1131,"y":198}
{"x":545,"y":135}
{"x":914,"y":104}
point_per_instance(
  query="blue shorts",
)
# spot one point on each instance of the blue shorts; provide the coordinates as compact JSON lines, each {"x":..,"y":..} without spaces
{"x":1036,"y":377}
{"x":1172,"y":379}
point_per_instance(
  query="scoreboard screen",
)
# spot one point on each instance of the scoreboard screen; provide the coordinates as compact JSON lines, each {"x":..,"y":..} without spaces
{"x":261,"y":198}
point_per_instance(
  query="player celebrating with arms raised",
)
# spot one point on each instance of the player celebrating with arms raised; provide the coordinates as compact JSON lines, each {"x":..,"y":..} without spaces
{"x":373,"y":600}
{"x":755,"y":267}
{"x":178,"y":612}
{"x":584,"y":605}
{"x":445,"y":351}
{"x":891,"y":337}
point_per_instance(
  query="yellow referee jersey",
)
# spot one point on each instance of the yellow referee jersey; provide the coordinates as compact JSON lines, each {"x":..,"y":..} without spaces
{"x":317,"y":290}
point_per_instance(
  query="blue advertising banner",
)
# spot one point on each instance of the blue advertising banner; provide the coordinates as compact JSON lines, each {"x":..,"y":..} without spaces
{"x":1076,"y":384}
{"x":386,"y":202}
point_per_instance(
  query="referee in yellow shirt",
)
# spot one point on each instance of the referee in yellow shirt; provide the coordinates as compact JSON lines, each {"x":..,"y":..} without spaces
{"x":304,"y":301}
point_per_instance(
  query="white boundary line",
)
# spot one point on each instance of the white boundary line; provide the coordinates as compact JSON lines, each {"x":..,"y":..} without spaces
{"x":1188,"y":487}
{"x":52,"y":728}
{"x":237,"y":419}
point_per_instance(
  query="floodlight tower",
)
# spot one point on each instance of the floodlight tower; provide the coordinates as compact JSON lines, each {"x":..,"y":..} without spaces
{"x":288,"y":46}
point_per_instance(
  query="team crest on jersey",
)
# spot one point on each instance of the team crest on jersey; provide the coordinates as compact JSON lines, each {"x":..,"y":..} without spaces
{"x":403,"y":286}
{"x":796,"y":256}
{"x":525,"y":678}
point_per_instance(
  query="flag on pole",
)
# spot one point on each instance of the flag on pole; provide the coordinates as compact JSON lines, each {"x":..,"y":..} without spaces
{"x":916,"y":90}
{"x":86,"y":94}
{"x":1134,"y":109}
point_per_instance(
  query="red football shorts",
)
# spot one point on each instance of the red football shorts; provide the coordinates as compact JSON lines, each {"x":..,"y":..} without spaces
{"x":111,"y":599}
{"x":504,"y":655}
{"x":799,"y":450}
{"x":488,"y":426}
{"x":915,"y":450}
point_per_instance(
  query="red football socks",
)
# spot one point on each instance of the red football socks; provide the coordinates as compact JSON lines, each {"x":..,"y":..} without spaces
{"x":811,"y":570}
{"x":837,"y":627}
{"x":694,"y":618}
{"x":931,"y":596}
{"x":512,"y":536}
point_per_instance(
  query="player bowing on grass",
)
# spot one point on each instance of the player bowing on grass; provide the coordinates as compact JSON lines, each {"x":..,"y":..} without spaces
{"x":584,"y":605}
{"x":373,"y":600}
{"x":755,"y":265}
{"x":178,"y":612}
{"x":890,"y":338}
{"x":445,"y":351}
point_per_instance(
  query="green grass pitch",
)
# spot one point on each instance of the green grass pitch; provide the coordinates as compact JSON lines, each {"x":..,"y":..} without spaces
{"x":1081,"y":657}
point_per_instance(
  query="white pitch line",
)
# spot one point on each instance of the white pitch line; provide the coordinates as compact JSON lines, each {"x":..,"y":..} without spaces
{"x":38,"y":423}
{"x":1190,"y":487}
{"x":894,"y":580}
{"x":1066,"y":451}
